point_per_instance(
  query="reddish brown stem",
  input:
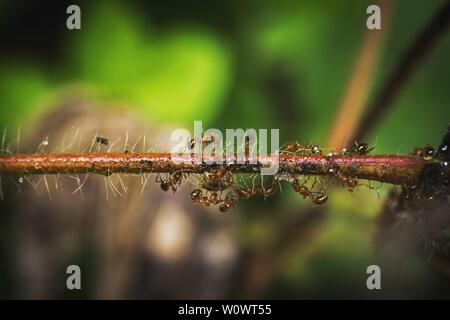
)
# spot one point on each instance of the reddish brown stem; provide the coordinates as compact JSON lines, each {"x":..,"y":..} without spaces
{"x":395,"y":169}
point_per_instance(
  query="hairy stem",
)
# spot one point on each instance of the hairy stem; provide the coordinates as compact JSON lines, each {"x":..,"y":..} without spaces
{"x":395,"y":169}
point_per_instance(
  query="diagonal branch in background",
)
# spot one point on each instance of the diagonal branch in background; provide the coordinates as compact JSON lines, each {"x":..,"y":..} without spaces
{"x":351,"y":107}
{"x":415,"y":55}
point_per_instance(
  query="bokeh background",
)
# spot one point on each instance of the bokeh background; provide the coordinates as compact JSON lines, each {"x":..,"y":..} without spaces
{"x":147,"y":67}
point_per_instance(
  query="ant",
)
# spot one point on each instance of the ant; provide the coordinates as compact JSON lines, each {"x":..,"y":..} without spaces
{"x":102,"y":140}
{"x":173,"y":182}
{"x":198,"y":197}
{"x":294,"y":147}
{"x":357,"y":149}
{"x":320,"y":199}
{"x":202,"y":139}
{"x":217,"y":174}
{"x":302,"y":189}
{"x":427,"y":152}
{"x":165,"y":185}
{"x":214,"y":197}
{"x":246,"y":193}
{"x":229,"y":202}
{"x":349,"y":181}
{"x":218,"y":180}
{"x":315,"y":149}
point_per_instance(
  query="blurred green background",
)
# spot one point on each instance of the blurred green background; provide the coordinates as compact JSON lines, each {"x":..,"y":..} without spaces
{"x":236,"y":64}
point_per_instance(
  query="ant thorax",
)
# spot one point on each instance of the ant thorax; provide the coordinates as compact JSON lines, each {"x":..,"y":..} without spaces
{"x":218,"y":180}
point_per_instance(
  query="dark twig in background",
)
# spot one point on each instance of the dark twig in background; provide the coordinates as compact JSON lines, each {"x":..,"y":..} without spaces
{"x":353,"y":101}
{"x":414,"y":56}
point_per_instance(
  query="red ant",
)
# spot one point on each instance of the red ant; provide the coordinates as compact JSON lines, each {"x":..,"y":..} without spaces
{"x":198,"y":197}
{"x":229,"y":202}
{"x":218,"y":180}
{"x":320,"y":199}
{"x":202,"y":139}
{"x":294,"y":147}
{"x":173,"y":182}
{"x":247,"y":193}
{"x":357,"y":149}
{"x":349,"y":181}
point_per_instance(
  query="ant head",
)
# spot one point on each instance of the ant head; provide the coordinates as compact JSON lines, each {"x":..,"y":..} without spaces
{"x":196,"y":194}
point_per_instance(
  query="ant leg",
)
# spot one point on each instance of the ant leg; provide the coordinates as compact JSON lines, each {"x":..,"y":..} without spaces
{"x":158,"y":177}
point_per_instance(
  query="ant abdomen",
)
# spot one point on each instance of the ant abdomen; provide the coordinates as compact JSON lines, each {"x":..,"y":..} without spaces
{"x":320,"y":199}
{"x":224,"y":207}
{"x":165,"y":185}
